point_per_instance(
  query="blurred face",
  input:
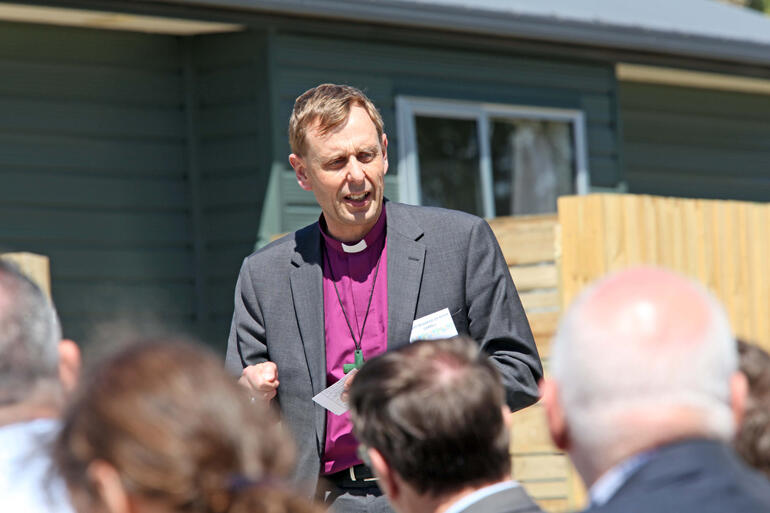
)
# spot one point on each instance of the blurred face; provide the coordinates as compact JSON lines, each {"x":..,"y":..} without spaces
{"x":345,"y":169}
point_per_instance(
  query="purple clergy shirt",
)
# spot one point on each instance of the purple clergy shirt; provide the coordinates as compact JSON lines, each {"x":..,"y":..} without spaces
{"x":352,"y":267}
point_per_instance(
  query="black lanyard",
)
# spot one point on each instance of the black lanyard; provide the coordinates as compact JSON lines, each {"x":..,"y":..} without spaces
{"x":359,"y":352}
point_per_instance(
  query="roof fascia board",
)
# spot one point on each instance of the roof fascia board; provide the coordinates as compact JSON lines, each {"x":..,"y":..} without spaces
{"x":685,"y":78}
{"x":395,"y":12}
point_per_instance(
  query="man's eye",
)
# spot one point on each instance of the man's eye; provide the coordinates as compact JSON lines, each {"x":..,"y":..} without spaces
{"x":365,"y":157}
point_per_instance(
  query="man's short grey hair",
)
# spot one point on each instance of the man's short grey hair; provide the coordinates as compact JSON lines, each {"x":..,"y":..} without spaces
{"x":602,"y":379}
{"x":29,"y":336}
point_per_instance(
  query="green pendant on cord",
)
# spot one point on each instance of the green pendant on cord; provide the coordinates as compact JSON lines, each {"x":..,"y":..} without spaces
{"x":359,"y":362}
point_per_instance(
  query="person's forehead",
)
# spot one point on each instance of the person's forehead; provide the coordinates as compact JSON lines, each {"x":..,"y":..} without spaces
{"x":651,"y":304}
{"x":358,"y":128}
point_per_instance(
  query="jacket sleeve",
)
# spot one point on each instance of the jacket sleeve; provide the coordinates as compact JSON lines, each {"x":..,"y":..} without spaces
{"x":246,"y":343}
{"x":497,"y":320}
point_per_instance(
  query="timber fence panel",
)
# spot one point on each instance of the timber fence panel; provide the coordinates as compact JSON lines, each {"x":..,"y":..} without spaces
{"x":725,"y":245}
{"x":531,"y":247}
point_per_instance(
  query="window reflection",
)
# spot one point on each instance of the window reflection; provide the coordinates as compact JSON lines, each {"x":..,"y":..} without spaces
{"x":532,"y":165}
{"x":448,"y":153}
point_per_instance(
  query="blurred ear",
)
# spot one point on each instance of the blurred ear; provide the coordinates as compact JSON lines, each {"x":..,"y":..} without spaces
{"x":739,"y":391}
{"x":554,"y":413}
{"x":388,"y":482}
{"x":300,"y":170}
{"x":69,"y":364}
{"x":109,"y":487}
{"x":507,"y":417}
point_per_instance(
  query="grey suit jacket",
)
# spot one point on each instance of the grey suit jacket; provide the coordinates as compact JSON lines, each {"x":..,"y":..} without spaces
{"x":436,"y":259}
{"x":511,"y":500}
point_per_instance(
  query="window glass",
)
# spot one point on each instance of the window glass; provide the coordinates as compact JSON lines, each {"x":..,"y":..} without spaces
{"x":448,"y":154}
{"x":532,"y":165}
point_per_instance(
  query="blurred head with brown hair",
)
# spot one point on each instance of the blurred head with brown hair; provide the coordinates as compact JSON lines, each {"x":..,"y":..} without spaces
{"x":752,"y":440}
{"x":160,"y":427}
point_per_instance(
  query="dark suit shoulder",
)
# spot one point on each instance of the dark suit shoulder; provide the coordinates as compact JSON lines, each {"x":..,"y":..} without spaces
{"x":697,"y":475}
{"x":283,"y":246}
{"x":434,"y":223}
{"x":438,"y":214}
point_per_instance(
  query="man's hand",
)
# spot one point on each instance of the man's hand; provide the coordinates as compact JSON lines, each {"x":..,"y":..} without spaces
{"x":261,"y":380}
{"x":346,"y":387}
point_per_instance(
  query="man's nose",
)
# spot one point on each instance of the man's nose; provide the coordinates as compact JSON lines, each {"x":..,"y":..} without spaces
{"x":356,"y":171}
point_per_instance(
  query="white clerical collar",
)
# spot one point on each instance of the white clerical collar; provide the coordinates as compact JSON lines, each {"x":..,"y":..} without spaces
{"x":354,"y":248}
{"x":369,"y":240}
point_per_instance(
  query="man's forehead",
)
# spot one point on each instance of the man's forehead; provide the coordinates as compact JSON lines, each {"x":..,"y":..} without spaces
{"x":365,"y":127}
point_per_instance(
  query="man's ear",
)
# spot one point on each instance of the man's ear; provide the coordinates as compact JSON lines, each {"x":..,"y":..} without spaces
{"x":69,"y":364}
{"x":739,"y":391}
{"x":384,"y":147}
{"x":554,"y":413}
{"x":507,"y":417}
{"x":388,"y":482}
{"x":109,"y":487}
{"x":298,"y":164}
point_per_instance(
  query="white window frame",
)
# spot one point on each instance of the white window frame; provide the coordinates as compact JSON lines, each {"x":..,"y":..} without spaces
{"x":407,"y":107}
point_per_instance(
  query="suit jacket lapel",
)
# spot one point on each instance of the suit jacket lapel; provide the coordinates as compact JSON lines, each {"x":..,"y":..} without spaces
{"x":406,"y":258}
{"x":307,"y":293}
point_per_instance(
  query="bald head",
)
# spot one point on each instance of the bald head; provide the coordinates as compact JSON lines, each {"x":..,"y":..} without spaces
{"x":649,"y":306}
{"x":643,"y":356}
{"x":29,"y":337}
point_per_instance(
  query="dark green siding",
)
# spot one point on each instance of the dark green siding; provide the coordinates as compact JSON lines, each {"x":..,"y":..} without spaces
{"x":385,"y":70}
{"x":680,"y":141}
{"x":93,"y":171}
{"x":234,"y":143}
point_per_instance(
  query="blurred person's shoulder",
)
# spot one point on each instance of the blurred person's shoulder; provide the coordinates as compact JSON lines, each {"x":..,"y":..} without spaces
{"x":27,"y":483}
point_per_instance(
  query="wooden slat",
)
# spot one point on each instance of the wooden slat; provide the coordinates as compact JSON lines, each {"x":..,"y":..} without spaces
{"x":540,"y":301}
{"x":547,"y":489}
{"x":543,"y":325}
{"x":530,"y":277}
{"x":723,"y":244}
{"x":530,"y":431}
{"x":555,"y":505}
{"x":526,"y":239}
{"x":540,"y":466}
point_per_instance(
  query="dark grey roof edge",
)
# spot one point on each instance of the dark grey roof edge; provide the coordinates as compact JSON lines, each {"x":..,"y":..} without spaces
{"x":442,"y":17}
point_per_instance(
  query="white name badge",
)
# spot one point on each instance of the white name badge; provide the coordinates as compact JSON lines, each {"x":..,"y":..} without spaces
{"x":436,"y":325}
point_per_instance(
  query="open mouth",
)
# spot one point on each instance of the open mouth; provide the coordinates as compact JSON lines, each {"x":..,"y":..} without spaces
{"x":358,"y":199}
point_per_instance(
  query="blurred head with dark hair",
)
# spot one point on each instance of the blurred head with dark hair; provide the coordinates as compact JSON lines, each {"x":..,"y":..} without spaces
{"x":752,"y":440}
{"x":160,"y":426}
{"x":432,"y":418}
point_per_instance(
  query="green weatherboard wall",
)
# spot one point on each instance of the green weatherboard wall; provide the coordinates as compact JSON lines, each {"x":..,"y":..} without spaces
{"x":134,"y":162}
{"x":147,"y":166}
{"x":385,"y":70}
{"x":681,"y":141}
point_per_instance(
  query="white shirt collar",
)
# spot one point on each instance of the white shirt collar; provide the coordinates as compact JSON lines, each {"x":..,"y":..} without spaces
{"x":479,"y":494}
{"x":610,"y":482}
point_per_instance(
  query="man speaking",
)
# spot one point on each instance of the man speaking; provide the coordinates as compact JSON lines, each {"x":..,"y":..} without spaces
{"x":369,"y":276}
